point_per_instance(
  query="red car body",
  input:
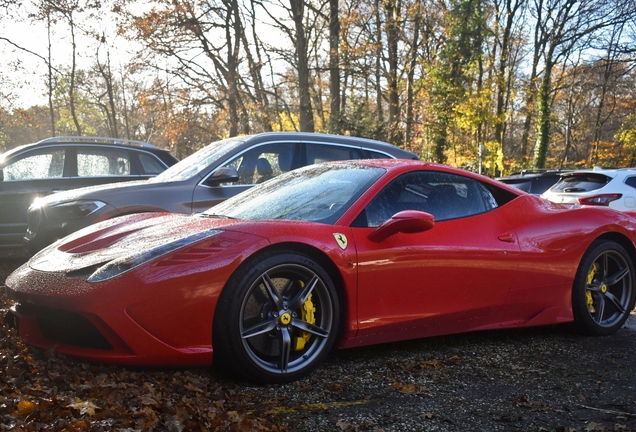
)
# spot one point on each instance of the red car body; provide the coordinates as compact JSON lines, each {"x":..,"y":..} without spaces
{"x":511,"y":266}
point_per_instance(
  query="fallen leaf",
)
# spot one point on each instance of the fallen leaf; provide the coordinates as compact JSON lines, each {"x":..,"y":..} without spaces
{"x":25,"y":408}
{"x":84,"y":407}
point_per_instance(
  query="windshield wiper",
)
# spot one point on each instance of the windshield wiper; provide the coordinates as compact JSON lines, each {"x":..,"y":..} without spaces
{"x":214,"y":216}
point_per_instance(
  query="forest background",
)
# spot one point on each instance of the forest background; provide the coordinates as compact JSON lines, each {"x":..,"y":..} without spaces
{"x":487,"y":85}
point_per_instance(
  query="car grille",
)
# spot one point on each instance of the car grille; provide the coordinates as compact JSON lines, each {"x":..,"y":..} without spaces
{"x":64,"y":327}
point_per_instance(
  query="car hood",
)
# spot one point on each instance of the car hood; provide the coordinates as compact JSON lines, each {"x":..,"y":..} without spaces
{"x":93,"y":192}
{"x":126,"y":236}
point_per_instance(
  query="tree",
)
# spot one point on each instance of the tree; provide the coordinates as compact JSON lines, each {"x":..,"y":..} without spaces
{"x":564,"y":25}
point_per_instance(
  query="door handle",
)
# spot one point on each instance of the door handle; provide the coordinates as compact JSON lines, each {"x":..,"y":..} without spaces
{"x":508,"y":238}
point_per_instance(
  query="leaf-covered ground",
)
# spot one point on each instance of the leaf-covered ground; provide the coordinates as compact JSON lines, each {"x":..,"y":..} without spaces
{"x":546,"y":379}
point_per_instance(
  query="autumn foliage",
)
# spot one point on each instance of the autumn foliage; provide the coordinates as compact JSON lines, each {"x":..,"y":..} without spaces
{"x":493,"y":85}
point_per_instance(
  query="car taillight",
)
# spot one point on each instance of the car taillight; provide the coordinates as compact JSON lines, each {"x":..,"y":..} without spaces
{"x":599,"y":200}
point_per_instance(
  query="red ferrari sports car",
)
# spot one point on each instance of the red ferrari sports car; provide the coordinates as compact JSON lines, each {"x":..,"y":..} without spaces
{"x":341,"y":254}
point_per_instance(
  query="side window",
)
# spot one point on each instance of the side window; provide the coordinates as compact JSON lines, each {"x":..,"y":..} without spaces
{"x":41,"y":164}
{"x":262,"y":163}
{"x":317,"y":153}
{"x":445,"y":196}
{"x":631,"y":181}
{"x":94,"y":162}
{"x":150,"y":164}
{"x":370,"y":154}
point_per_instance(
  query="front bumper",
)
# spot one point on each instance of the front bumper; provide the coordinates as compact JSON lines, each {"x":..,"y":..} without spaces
{"x":80,"y":322}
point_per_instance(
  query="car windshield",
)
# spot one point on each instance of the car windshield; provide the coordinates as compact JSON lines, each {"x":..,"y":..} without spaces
{"x":318,"y":193}
{"x":581,"y":182}
{"x":197,"y":162}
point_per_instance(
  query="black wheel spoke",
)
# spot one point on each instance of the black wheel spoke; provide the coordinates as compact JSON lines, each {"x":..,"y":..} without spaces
{"x":595,"y":288}
{"x":605,"y":259}
{"x":310,"y":328}
{"x":285,"y":349}
{"x":612,"y":298}
{"x":272,"y":292}
{"x":617,"y":277}
{"x":260,"y":328}
{"x":599,"y":310}
{"x":303,"y":295}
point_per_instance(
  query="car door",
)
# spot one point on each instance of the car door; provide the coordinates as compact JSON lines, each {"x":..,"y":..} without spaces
{"x":447,"y":279}
{"x":254,"y":165}
{"x":26,"y":176}
{"x":96,"y":165}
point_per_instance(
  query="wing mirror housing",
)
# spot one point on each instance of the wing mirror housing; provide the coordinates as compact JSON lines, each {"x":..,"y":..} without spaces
{"x":407,"y":221}
{"x":222,"y":175}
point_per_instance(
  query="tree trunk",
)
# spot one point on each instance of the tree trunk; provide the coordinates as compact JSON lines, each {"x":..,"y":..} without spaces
{"x":306,"y":115}
{"x":392,"y":35}
{"x":50,"y":72}
{"x":543,"y":119}
{"x":378,"y":61}
{"x":71,"y":89}
{"x":334,"y":67}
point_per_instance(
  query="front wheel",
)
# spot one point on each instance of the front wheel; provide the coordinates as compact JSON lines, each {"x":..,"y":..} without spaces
{"x":603,"y":291}
{"x":277,"y":318}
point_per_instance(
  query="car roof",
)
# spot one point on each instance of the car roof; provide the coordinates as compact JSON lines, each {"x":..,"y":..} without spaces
{"x":609,"y":172}
{"x":308,"y":137}
{"x":164,"y":155}
{"x":82,"y":140}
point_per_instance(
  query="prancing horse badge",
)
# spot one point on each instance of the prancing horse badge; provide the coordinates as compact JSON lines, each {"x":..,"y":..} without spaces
{"x":341,"y":239}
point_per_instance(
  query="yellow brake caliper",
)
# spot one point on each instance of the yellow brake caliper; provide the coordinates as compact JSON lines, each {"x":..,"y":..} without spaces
{"x":307,"y":311}
{"x":588,"y":293}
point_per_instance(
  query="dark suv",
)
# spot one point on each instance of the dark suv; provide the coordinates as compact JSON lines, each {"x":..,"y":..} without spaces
{"x":534,"y":182}
{"x":203,"y":179}
{"x":61,"y":163}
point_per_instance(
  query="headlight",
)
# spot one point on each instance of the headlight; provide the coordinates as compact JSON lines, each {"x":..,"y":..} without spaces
{"x":73,"y":210}
{"x":122,"y":265}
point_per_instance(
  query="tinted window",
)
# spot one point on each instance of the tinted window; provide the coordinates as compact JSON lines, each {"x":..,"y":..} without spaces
{"x":40,"y":164}
{"x":584,"y":182}
{"x":262,"y":163}
{"x":631,"y":181}
{"x":370,"y":154}
{"x":445,"y":196}
{"x":93,"y":162}
{"x":542,"y":184}
{"x":317,"y":153}
{"x":150,"y":164}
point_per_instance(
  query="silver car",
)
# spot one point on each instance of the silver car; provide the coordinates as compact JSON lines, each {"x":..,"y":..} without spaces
{"x":200,"y":181}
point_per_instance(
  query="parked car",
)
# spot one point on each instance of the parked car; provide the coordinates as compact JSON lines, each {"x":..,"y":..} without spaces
{"x":63,"y":163}
{"x":348,"y":253}
{"x":534,"y":182}
{"x":209,"y":176}
{"x":613,"y":188}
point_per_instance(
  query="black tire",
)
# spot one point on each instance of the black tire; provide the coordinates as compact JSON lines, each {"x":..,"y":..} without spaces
{"x":277,"y":318}
{"x":603,"y":290}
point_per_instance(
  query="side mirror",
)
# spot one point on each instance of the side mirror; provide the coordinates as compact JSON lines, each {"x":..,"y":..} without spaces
{"x":407,"y":221}
{"x":222,"y":175}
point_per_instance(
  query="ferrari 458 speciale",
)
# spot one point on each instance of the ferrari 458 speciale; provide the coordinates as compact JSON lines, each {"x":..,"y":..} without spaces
{"x":341,"y":254}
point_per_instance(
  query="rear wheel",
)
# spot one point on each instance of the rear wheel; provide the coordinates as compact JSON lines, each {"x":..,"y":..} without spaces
{"x":603,"y":291}
{"x":277,"y":318}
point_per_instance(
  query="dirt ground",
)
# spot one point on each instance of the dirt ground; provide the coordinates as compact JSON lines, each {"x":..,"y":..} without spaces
{"x":543,"y":379}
